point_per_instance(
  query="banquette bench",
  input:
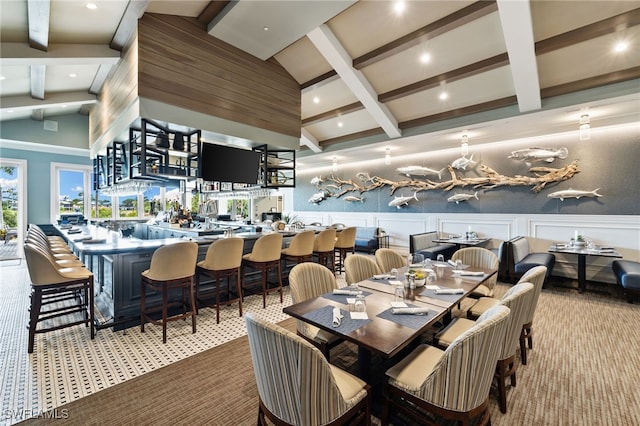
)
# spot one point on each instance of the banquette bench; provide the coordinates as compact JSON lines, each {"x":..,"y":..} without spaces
{"x":520,"y":259}
{"x":628,"y":276}
{"x":423,"y":244}
{"x":366,"y":239}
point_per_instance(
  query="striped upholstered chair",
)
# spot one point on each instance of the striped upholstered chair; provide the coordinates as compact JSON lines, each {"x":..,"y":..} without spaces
{"x":358,"y":267}
{"x":387,"y":259}
{"x":307,"y":281}
{"x":452,"y":384}
{"x":518,"y":299}
{"x":308,"y":390}
{"x":480,"y":258}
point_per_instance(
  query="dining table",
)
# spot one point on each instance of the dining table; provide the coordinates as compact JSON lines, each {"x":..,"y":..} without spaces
{"x":582,"y":251}
{"x":461,"y":241}
{"x":379,"y":330}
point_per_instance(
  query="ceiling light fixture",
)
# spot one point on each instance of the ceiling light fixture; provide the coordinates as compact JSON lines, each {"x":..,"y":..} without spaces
{"x":443,"y":96}
{"x":335,"y":164}
{"x":91,"y":6}
{"x":265,"y":28}
{"x":2,"y":77}
{"x":425,"y":58}
{"x":399,"y":7}
{"x":73,"y":75}
{"x":340,"y":124}
{"x":621,"y":46}
{"x":585,"y":127}
{"x":387,"y":156}
{"x":316,"y":100}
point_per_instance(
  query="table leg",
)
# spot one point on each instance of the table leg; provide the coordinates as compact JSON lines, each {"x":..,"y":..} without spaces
{"x":364,"y":363}
{"x":582,"y":270}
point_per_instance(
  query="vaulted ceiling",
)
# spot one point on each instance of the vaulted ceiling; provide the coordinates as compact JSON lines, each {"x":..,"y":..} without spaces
{"x":368,"y":74}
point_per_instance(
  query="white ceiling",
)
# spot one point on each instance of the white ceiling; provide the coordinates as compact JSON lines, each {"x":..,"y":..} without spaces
{"x":557,"y":63}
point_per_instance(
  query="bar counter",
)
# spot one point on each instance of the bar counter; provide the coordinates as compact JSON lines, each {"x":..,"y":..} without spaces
{"x":117,"y":263}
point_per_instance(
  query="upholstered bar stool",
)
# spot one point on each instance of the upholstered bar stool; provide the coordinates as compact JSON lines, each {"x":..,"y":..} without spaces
{"x":223,"y":260}
{"x":345,"y":243}
{"x":265,"y":257}
{"x":68,"y":290}
{"x":172,"y":267}
{"x":324,"y":247}
{"x":300,"y":250}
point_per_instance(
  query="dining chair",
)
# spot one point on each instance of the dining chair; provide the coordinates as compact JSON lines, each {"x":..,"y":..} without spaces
{"x":223,"y":260}
{"x":67,"y":293}
{"x":388,"y":259}
{"x":479,"y":257}
{"x":308,"y":391}
{"x":536,"y":276}
{"x":265,"y":257}
{"x":453,"y":383}
{"x":172,"y":266}
{"x":345,"y":243}
{"x":324,"y":247}
{"x":358,"y":268}
{"x":518,"y":299}
{"x":307,"y":281}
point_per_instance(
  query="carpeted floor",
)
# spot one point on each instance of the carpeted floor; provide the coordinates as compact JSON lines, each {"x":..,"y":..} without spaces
{"x":584,"y":370}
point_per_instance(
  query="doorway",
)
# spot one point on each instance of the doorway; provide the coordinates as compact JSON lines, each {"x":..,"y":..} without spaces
{"x":13,"y":218}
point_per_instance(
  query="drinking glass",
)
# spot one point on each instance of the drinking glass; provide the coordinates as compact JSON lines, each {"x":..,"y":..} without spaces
{"x":418,"y":259}
{"x":394,"y":273}
{"x":398,"y":294}
{"x":440,"y":258}
{"x":458,"y":264}
{"x":360,"y":305}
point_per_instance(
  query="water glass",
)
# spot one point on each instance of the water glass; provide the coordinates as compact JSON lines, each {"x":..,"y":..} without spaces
{"x":440,"y":258}
{"x":458,"y":264}
{"x":418,"y":259}
{"x":360,"y":305}
{"x":431,"y":278}
{"x":393,"y":274}
{"x":398,"y":294}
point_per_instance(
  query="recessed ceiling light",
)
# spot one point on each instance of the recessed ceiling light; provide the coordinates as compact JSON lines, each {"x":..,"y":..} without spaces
{"x":91,"y":6}
{"x":10,"y":111}
{"x":73,"y":75}
{"x":265,"y":28}
{"x":621,"y":46}
{"x":63,"y":106}
{"x":340,"y":124}
{"x":316,"y":100}
{"x":399,"y":7}
{"x":443,"y":96}
{"x":425,"y":58}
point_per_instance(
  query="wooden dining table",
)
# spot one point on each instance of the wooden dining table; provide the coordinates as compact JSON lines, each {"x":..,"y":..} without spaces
{"x":383,"y":332}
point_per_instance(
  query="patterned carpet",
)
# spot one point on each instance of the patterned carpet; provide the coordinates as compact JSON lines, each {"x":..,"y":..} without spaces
{"x":583,"y":369}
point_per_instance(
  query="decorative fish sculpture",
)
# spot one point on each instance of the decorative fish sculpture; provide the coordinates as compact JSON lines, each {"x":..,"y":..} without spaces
{"x":353,"y":199}
{"x":403,"y":201}
{"x":463,"y":162}
{"x":462,"y":197}
{"x":574,"y":193}
{"x":317,"y":180}
{"x":540,"y":154}
{"x":318,"y":197}
{"x":409,"y":171}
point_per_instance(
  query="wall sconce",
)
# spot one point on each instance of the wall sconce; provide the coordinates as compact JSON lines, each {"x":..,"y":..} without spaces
{"x":585,"y":127}
{"x":387,"y":156}
{"x":464,"y":147}
{"x":335,"y":164}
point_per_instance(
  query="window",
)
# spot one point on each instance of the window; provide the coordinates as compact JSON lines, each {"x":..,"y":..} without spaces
{"x":70,"y":189}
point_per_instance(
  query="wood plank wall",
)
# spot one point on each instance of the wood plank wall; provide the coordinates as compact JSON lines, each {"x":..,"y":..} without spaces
{"x":119,"y":91}
{"x":180,"y":64}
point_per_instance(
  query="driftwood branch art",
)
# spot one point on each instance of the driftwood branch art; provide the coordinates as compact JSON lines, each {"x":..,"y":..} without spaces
{"x":491,"y":179}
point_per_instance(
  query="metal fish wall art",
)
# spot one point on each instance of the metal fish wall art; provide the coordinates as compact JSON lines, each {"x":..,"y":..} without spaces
{"x":403,"y":201}
{"x":540,"y":154}
{"x":354,"y":199}
{"x":462,"y":197}
{"x":463,"y":162}
{"x":410,"y":171}
{"x":318,"y":197}
{"x":574,"y":193}
{"x":317,"y":180}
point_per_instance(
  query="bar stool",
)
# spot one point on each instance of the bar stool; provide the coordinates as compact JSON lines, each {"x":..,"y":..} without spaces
{"x":223,"y":260}
{"x":265,"y":256}
{"x":53,"y":285}
{"x":172,"y":267}
{"x":324,"y":246}
{"x":300,"y":250}
{"x":345,"y":243}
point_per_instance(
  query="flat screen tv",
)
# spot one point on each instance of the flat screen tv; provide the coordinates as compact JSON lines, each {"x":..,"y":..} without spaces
{"x":228,"y":164}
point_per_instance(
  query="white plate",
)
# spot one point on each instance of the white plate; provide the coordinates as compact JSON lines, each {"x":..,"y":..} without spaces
{"x":381,"y":277}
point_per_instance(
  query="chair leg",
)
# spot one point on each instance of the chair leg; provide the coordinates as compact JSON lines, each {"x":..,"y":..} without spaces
{"x":36,"y":304}
{"x":193,"y":306}
{"x":165,"y":302}
{"x":239,"y":289}
{"x":142,"y":305}
{"x":502,"y":391}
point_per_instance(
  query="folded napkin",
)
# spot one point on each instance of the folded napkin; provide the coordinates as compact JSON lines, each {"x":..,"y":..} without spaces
{"x":451,"y":262}
{"x":469,"y":273}
{"x":449,"y":291}
{"x":409,"y":311}
{"x":606,"y":250}
{"x":86,"y":237}
{"x":74,"y":231}
{"x":337,"y":317}
{"x":95,"y":241}
{"x":345,"y":292}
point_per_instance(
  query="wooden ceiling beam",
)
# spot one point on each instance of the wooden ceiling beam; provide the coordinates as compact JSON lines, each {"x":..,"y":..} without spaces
{"x":128,"y":23}
{"x":356,"y":106}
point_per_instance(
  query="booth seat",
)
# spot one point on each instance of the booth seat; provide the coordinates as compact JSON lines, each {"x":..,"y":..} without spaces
{"x":628,"y":276}
{"x":423,"y":244}
{"x":520,"y":259}
{"x":366,"y":239}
